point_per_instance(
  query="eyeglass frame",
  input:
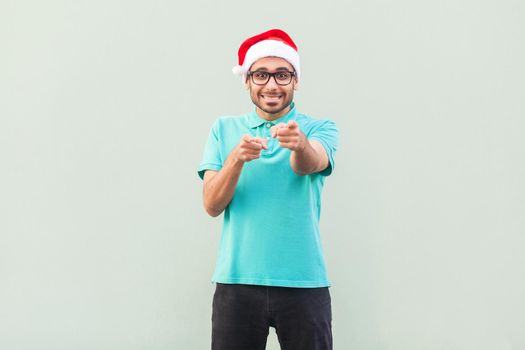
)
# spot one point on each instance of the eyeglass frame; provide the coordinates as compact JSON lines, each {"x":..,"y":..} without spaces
{"x":270,"y":75}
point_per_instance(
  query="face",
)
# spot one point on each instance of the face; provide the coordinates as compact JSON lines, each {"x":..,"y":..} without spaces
{"x":272,"y":101}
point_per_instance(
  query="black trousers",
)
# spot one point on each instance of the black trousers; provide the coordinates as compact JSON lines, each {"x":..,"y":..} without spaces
{"x":242,"y":315}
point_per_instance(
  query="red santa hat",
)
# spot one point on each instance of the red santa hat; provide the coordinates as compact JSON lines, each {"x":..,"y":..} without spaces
{"x":274,"y":43}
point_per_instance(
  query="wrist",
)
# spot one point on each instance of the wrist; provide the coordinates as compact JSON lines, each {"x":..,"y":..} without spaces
{"x":236,"y":159}
{"x":302,"y":145}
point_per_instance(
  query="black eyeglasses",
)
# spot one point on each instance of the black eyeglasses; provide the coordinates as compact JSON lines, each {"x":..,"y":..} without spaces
{"x":283,"y":77}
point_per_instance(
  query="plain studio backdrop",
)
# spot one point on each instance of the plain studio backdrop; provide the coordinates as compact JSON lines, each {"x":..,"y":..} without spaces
{"x":105,"y":107}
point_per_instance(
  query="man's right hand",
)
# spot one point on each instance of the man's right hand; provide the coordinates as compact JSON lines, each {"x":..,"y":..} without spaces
{"x":249,"y":148}
{"x":219,"y":186}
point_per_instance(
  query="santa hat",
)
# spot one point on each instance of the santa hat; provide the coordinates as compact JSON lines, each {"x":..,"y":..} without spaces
{"x":275,"y":43}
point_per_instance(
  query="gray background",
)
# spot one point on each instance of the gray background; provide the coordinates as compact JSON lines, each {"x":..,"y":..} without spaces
{"x":105,"y":107}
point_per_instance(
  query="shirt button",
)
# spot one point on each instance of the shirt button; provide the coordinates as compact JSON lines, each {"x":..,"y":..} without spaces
{"x":268,"y":125}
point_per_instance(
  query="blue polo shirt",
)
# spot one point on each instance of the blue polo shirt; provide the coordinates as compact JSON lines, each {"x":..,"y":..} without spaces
{"x":270,"y":235}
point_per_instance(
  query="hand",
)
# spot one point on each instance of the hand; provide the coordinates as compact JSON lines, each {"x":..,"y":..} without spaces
{"x":249,"y":148}
{"x":289,"y":135}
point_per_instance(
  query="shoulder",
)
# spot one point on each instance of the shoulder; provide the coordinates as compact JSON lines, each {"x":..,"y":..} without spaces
{"x":310,"y":124}
{"x":226,"y":122}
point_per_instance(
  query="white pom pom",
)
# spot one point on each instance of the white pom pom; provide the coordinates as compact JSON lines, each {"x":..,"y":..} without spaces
{"x":238,"y":70}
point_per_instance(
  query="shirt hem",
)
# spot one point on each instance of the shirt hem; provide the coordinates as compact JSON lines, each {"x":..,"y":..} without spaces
{"x":273,"y":282}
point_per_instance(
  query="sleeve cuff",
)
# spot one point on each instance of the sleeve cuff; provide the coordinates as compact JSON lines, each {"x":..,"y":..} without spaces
{"x":208,"y":166}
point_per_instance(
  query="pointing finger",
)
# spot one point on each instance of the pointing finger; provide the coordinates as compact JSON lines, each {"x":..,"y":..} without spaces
{"x":253,"y":144}
{"x":246,"y":138}
{"x":276,"y":127}
{"x":260,"y":141}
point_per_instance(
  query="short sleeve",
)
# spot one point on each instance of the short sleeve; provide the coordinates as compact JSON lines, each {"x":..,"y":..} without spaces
{"x":327,"y":134}
{"x":211,"y":159}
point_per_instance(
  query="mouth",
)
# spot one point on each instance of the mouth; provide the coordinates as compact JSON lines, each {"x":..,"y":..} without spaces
{"x":271,"y":97}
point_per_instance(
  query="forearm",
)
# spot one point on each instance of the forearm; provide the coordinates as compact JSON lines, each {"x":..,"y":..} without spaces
{"x":307,"y":160}
{"x":219,"y":190}
{"x":308,"y":156}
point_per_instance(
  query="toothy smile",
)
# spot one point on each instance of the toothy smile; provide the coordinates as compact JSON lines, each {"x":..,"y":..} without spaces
{"x":271,"y":98}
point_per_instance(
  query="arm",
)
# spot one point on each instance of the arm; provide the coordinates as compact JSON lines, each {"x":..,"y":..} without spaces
{"x":308,"y":156}
{"x":219,"y":186}
{"x":311,"y":159}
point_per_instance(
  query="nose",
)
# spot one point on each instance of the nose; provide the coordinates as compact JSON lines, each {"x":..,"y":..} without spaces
{"x":272,"y":84}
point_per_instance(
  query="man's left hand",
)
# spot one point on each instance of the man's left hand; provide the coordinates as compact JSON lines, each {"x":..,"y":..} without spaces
{"x":289,"y":135}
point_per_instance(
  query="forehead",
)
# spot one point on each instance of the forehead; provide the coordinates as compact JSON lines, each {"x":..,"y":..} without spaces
{"x":271,"y":63}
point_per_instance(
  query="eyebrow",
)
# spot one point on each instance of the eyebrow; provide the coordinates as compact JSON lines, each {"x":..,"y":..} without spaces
{"x":277,"y":69}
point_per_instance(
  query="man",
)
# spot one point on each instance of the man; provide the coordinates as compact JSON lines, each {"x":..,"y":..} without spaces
{"x":265,"y":170}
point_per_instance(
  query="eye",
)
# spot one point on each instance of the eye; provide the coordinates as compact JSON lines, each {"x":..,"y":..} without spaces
{"x":283,"y":75}
{"x":260,"y":75}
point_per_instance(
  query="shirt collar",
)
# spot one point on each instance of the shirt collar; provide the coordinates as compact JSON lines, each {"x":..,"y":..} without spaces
{"x":254,"y":120}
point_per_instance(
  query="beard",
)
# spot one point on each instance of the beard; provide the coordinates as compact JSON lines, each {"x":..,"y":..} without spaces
{"x":272,"y":107}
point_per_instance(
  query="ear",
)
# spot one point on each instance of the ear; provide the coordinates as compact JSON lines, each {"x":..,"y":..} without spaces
{"x":296,"y":85}
{"x":246,"y":84}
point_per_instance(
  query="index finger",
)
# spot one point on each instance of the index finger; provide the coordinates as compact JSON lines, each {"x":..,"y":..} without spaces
{"x":246,"y":138}
{"x":261,"y":141}
{"x":276,"y":127}
{"x":292,"y":124}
